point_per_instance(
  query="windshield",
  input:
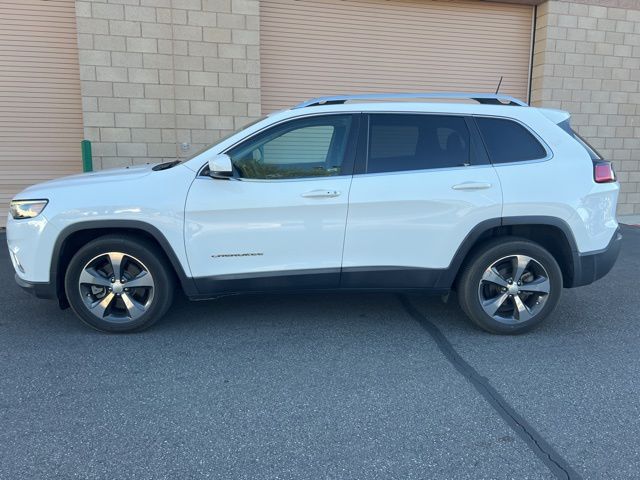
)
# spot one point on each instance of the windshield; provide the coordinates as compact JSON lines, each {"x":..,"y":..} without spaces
{"x":222,"y":139}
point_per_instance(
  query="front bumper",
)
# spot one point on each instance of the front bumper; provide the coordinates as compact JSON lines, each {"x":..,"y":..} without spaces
{"x":592,"y":266}
{"x":39,"y":289}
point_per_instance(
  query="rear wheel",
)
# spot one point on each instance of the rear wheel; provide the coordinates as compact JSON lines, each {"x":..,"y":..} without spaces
{"x":119,"y":284}
{"x":510,"y":285}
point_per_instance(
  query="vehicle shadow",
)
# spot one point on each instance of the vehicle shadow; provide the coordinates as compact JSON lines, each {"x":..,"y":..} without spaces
{"x":300,"y":310}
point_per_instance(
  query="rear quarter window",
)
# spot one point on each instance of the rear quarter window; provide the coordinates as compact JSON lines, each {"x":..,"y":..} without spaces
{"x":507,"y":141}
{"x":593,"y":153}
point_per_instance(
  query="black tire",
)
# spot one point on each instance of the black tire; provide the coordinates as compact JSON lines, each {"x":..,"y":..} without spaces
{"x":501,"y":253}
{"x":139,"y":256}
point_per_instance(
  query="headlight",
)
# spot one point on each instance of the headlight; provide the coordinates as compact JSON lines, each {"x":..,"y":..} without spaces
{"x":26,"y":208}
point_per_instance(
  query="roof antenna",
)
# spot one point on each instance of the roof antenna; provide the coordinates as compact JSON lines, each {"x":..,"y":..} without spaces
{"x":499,"y":83}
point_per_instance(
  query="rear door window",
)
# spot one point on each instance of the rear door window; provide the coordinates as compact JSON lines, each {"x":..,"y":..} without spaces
{"x":508,"y":141}
{"x":399,"y":142}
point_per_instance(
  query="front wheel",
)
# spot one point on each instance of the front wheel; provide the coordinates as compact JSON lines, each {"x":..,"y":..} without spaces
{"x":119,"y":284}
{"x":510,"y":285}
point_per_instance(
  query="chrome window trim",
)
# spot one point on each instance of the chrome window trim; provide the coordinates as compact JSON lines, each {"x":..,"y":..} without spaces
{"x":545,"y":145}
{"x":425,"y":170}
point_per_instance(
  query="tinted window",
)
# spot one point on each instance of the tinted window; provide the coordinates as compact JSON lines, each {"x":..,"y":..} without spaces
{"x":508,"y":141}
{"x":303,"y":145}
{"x":312,"y":147}
{"x":416,"y":142}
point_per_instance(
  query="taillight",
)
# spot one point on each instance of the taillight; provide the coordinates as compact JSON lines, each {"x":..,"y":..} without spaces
{"x":603,"y":172}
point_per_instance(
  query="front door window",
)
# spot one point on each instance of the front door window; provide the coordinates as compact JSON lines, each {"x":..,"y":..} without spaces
{"x":309,"y":147}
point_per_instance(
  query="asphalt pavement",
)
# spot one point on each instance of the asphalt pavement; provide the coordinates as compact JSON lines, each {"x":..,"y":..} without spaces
{"x":335,"y":386}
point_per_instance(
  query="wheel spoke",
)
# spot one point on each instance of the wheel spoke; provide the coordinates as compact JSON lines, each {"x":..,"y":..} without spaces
{"x":492,"y":305}
{"x":92,"y":277}
{"x":142,"y":280}
{"x":521,"y":311}
{"x":98,"y":308}
{"x":520,"y":263}
{"x":115,"y":258}
{"x":492,"y":275}
{"x":539,"y":285}
{"x":134,"y":307}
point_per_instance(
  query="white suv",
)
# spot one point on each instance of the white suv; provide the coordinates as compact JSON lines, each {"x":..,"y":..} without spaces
{"x":500,"y":201}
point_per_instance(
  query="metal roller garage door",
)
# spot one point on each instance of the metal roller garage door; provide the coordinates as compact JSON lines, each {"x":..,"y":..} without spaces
{"x":311,"y":48}
{"x":40,"y":104}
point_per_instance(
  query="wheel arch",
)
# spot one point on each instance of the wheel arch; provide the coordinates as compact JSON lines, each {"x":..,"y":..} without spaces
{"x":552,"y":233}
{"x":74,"y":236}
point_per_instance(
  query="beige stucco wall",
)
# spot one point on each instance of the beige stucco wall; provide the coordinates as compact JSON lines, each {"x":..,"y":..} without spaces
{"x":159,"y":73}
{"x":587,"y":61}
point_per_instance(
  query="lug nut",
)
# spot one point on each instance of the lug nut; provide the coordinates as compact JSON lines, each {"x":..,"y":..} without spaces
{"x":504,"y":289}
{"x":123,"y":280}
{"x":126,"y":289}
{"x":113,"y":280}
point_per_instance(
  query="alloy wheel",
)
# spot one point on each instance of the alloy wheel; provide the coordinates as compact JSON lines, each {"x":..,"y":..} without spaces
{"x":116,"y":287}
{"x":514,"y":289}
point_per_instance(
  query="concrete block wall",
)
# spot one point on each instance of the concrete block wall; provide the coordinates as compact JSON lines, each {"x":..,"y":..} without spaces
{"x":164,"y":78}
{"x":587,"y":61}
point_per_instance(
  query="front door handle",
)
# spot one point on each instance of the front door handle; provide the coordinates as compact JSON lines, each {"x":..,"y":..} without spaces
{"x":321,"y":194}
{"x":472,"y":186}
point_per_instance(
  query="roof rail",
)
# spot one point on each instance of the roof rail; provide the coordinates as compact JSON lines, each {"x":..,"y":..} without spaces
{"x":484,"y":98}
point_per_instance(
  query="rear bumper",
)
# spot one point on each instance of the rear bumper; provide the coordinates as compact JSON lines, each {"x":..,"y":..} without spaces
{"x":39,"y":289}
{"x":592,"y":266}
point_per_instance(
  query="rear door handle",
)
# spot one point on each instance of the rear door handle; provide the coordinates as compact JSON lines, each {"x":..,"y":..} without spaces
{"x":321,"y":194}
{"x":472,"y":186}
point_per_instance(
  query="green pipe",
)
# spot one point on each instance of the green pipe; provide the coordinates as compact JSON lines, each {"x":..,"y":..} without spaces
{"x":87,"y":160}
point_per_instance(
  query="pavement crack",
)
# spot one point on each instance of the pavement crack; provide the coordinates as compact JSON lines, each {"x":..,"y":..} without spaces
{"x":538,"y":445}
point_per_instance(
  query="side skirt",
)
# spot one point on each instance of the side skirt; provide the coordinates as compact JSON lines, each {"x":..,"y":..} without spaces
{"x":351,"y":279}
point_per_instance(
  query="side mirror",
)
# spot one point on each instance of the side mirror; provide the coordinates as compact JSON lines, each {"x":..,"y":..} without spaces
{"x":220,"y":166}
